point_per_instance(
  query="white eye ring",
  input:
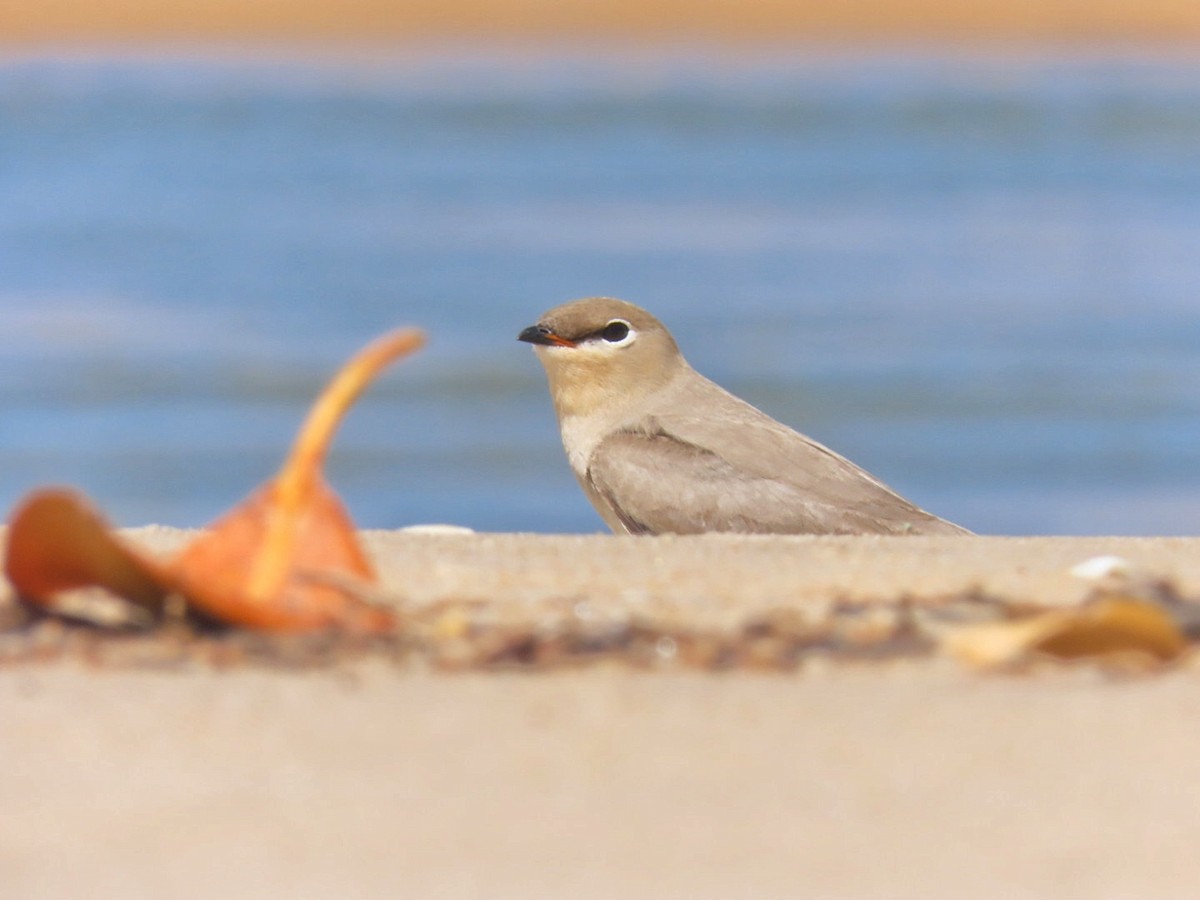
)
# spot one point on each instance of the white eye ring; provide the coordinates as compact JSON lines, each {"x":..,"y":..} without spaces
{"x":618,"y":333}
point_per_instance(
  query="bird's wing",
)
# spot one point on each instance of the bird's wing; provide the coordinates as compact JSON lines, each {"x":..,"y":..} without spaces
{"x":752,"y":442}
{"x":657,"y":483}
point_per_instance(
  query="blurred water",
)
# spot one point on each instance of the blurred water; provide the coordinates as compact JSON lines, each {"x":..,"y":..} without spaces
{"x":975,"y":277}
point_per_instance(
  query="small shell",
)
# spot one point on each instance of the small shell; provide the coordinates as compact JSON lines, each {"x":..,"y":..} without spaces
{"x":1101,"y":567}
{"x":437,"y":529}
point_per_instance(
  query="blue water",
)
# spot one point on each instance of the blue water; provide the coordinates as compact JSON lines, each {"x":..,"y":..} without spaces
{"x":979,"y":278}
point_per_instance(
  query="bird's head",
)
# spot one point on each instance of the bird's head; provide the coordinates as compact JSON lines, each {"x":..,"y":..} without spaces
{"x":602,"y":352}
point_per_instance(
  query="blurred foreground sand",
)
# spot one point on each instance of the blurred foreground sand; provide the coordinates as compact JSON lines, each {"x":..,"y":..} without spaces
{"x":915,"y":778}
{"x":722,"y":20}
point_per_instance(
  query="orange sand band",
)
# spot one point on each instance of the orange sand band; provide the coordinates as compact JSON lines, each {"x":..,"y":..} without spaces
{"x":416,"y":21}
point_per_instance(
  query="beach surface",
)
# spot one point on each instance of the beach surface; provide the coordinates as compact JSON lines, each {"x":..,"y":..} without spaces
{"x":306,"y":21}
{"x":898,"y":777}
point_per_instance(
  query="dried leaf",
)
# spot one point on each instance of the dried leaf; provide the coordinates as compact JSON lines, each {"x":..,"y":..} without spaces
{"x":1116,"y":625}
{"x":281,"y":561}
{"x":57,"y":542}
{"x":1105,"y":627}
{"x":267,"y":563}
{"x":230,"y":574}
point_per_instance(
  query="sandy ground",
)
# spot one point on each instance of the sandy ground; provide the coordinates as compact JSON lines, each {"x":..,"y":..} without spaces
{"x":416,"y":21}
{"x":913,"y":778}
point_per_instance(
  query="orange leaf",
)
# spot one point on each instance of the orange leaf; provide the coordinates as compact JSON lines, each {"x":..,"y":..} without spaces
{"x":285,"y":559}
{"x":229,"y":575}
{"x":57,"y":542}
{"x":1105,"y":627}
{"x":270,"y":562}
{"x":1116,"y":625}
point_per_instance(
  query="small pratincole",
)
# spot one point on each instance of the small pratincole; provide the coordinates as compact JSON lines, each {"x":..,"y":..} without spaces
{"x":659,"y":449}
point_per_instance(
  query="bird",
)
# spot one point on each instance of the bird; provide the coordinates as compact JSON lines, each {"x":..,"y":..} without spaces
{"x":660,"y":449}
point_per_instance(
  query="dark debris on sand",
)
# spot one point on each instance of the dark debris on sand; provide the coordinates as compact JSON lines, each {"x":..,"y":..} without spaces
{"x":474,"y":635}
{"x":454,"y":635}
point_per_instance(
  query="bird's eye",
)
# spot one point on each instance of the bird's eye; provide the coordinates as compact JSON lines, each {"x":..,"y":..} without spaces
{"x":615,"y":331}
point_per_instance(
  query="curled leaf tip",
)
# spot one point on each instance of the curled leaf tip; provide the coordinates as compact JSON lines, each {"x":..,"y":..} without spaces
{"x":315,"y":435}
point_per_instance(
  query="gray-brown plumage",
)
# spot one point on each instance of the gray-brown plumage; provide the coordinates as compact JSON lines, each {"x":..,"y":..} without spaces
{"x":658,"y":448}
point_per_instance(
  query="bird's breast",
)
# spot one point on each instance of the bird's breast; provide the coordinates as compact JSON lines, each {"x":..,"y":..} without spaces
{"x":580,"y":436}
